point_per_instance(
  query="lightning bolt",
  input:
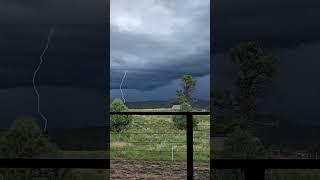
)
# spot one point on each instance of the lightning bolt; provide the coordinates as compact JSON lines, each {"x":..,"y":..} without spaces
{"x":35,"y":75}
{"x":124,"y":76}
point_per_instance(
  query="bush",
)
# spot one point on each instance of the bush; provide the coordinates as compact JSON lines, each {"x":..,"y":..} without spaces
{"x":24,"y":139}
{"x":241,"y":144}
{"x":119,"y":122}
{"x":180,"y":121}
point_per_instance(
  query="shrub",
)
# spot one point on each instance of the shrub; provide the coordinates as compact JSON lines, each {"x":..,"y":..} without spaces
{"x":119,"y":122}
{"x":24,"y":139}
{"x":241,"y":144}
{"x":180,"y":121}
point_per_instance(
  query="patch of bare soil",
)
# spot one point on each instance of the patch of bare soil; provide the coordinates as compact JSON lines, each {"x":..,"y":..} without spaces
{"x":143,"y":170}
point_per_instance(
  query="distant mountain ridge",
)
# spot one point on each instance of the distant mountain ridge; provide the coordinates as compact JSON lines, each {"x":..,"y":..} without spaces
{"x":199,"y":103}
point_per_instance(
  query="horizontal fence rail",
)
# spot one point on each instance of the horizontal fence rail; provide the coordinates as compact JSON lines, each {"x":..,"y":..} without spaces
{"x":189,"y":133}
{"x":195,"y":113}
{"x":55,"y":163}
{"x":265,"y":163}
{"x":254,"y":169}
{"x":104,"y":163}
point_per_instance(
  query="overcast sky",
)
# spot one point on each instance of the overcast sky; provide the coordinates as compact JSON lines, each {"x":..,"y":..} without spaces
{"x":72,"y":78}
{"x":78,"y":44}
{"x":156,"y":42}
{"x":290,"y":28}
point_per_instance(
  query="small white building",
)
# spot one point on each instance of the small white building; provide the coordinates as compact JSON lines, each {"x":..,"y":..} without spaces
{"x":176,"y":107}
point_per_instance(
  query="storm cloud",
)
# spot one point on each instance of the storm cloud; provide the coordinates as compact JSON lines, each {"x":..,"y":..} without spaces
{"x":78,"y":44}
{"x":73,"y":74}
{"x":53,"y":12}
{"x":157,"y":41}
{"x":290,"y":29}
{"x":279,"y":24}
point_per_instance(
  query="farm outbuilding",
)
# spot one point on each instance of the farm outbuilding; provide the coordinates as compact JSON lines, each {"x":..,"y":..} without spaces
{"x":176,"y":107}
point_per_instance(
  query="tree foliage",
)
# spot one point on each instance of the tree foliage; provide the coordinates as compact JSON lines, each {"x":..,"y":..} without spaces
{"x":242,"y":145}
{"x":225,"y":125}
{"x":25,"y":139}
{"x":180,"y":121}
{"x":188,"y":87}
{"x":119,"y":122}
{"x":257,"y":67}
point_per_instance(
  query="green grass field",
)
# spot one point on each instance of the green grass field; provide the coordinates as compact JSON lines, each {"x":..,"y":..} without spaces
{"x":155,"y":138}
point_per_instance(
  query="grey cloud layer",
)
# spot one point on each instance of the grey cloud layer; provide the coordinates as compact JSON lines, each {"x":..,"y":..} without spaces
{"x":280,"y":24}
{"x":158,"y":41}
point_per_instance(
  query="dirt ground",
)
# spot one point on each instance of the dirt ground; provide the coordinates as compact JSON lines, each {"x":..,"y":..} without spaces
{"x":143,"y":170}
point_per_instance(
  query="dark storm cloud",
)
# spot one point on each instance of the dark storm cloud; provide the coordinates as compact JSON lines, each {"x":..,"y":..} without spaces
{"x":77,"y":53}
{"x":60,"y":105}
{"x":158,"y":41}
{"x":72,"y":80}
{"x":290,"y":29}
{"x":163,"y":73}
{"x":53,"y":11}
{"x":281,"y":24}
